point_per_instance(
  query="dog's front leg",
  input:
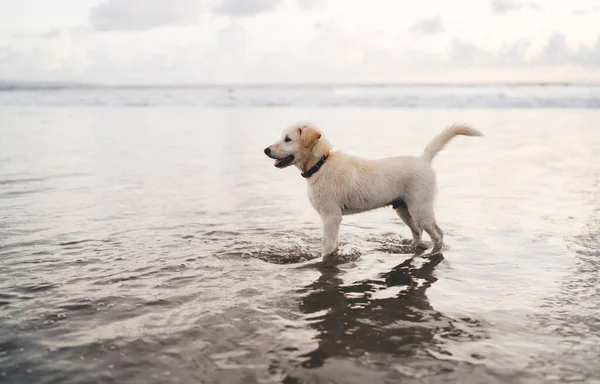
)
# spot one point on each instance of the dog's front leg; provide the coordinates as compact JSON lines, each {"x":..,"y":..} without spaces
{"x":331,"y":229}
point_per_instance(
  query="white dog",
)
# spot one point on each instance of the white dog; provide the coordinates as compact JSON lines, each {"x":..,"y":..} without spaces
{"x":341,"y":184}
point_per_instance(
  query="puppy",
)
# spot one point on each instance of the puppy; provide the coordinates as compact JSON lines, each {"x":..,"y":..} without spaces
{"x":340,"y":184}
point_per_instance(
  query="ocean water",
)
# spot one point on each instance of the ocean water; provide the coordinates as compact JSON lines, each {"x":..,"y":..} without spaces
{"x":306,"y":96}
{"x":159,"y":244}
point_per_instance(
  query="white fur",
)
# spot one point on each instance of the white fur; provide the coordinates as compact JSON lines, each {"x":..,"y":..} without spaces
{"x":348,"y":184}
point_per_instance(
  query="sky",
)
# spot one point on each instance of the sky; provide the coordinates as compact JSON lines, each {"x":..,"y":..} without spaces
{"x":299,"y":41}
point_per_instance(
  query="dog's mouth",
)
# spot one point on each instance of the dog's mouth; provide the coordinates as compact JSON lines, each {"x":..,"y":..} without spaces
{"x":285,"y":162}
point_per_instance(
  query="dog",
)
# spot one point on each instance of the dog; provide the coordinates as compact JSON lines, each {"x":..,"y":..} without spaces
{"x":341,"y":184}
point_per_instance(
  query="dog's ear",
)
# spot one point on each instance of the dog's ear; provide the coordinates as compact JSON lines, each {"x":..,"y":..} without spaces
{"x":309,"y":136}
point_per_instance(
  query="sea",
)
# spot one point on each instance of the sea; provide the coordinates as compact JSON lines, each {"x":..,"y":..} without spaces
{"x":146,"y":238}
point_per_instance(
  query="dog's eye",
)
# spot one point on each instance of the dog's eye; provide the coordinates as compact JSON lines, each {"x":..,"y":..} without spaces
{"x":287,"y":139}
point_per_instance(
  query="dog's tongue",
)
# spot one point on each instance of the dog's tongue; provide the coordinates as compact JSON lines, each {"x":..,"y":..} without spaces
{"x":278,"y":161}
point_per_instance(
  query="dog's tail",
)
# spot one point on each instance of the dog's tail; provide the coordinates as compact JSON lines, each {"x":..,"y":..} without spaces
{"x":440,"y":141}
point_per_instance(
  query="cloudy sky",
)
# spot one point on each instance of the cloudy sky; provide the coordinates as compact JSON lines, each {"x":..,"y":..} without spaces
{"x":299,"y":41}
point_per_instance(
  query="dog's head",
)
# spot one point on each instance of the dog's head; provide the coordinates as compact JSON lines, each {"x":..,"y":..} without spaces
{"x":297,"y":146}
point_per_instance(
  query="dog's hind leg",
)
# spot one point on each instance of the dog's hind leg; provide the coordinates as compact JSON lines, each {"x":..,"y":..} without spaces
{"x":438,"y":229}
{"x":436,"y":235}
{"x":440,"y":234}
{"x":426,"y":219}
{"x":402,"y":211}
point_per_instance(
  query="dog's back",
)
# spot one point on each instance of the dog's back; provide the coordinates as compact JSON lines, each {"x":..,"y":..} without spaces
{"x":363,"y":184}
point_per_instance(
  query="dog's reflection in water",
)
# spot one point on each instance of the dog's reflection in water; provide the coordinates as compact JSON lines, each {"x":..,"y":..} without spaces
{"x":388,"y":314}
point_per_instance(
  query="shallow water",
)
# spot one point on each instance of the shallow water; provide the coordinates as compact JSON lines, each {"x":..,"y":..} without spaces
{"x":161,"y":245}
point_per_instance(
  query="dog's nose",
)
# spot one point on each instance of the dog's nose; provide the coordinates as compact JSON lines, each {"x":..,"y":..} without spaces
{"x":267,"y":151}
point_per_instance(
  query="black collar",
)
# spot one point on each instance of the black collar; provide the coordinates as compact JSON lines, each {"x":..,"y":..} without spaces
{"x":315,"y":168}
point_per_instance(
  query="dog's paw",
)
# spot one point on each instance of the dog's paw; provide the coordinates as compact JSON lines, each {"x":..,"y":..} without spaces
{"x":341,"y":257}
{"x":437,"y":248}
{"x":421,"y":246}
{"x":329,"y":253}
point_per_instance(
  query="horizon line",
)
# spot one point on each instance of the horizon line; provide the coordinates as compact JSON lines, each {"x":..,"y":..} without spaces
{"x":44,"y":84}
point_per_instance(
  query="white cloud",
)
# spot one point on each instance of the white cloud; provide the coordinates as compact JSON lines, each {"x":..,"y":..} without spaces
{"x":143,"y":14}
{"x":429,"y":26}
{"x":587,"y":11}
{"x":60,"y":57}
{"x":53,"y":33}
{"x":336,"y":41}
{"x":514,"y":54}
{"x":558,"y":52}
{"x":6,"y":53}
{"x":465,"y":53}
{"x":245,"y":7}
{"x":591,"y":57}
{"x":505,"y":6}
{"x":310,"y":4}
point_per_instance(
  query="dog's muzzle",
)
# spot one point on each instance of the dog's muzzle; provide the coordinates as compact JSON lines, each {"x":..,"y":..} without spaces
{"x":280,"y":163}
